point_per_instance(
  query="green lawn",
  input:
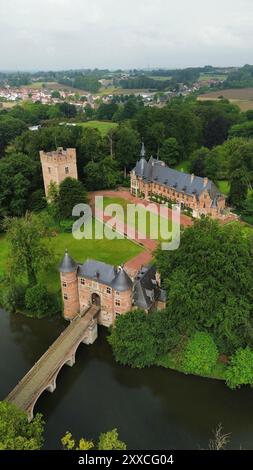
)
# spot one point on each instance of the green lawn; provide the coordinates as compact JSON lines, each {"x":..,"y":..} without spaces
{"x":183,"y":166}
{"x":110,"y":251}
{"x":141,"y":228}
{"x":102,"y":126}
{"x":224,"y":186}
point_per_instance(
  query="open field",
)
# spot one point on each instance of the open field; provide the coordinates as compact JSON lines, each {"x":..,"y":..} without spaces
{"x":102,"y":126}
{"x":242,"y":97}
{"x":110,"y":251}
{"x":8,"y":104}
{"x":212,"y":76}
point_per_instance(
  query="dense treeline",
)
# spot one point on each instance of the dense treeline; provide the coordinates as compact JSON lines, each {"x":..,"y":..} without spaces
{"x":208,"y":134}
{"x":208,"y":318}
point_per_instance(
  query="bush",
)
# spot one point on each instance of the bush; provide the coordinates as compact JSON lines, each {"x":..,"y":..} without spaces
{"x":12,"y":296}
{"x":40,"y":302}
{"x":240,"y":369}
{"x":201,"y":354}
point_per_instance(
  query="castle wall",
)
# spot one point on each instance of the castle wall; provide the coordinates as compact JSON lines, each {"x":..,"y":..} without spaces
{"x":58,"y":165}
{"x":199,"y":206}
{"x":70,"y":295}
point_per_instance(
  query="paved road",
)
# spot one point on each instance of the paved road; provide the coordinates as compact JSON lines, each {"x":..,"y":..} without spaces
{"x":43,"y":371}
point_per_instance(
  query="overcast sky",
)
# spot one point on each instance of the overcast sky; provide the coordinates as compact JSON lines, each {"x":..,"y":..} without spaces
{"x":57,"y":34}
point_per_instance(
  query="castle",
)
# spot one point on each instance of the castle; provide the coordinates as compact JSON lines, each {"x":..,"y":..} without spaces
{"x":58,"y":165}
{"x":108,"y":287}
{"x":200,"y":195}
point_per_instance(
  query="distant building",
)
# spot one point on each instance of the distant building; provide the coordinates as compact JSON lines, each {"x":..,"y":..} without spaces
{"x":109,"y":287}
{"x":200,"y":195}
{"x":58,"y":165}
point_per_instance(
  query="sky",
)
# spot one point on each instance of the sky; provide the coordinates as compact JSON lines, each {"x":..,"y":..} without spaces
{"x":64,"y":34}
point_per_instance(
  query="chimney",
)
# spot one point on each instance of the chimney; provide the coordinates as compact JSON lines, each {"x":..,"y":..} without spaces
{"x":192,"y":177}
{"x":206,"y":181}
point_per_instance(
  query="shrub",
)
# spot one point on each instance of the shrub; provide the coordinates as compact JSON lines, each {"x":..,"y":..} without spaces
{"x":200,"y":355}
{"x":12,"y":296}
{"x":240,"y":369}
{"x":40,"y":302}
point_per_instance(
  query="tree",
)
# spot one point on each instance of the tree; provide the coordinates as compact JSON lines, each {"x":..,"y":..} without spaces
{"x":127,"y":145}
{"x":107,"y":441}
{"x":200,"y":355}
{"x":131,"y":340}
{"x":102,"y":175}
{"x":219,"y":440}
{"x":29,"y":253}
{"x":69,"y":443}
{"x":170,"y":151}
{"x":209,"y":283}
{"x":110,"y":441}
{"x":15,"y":431}
{"x":18,"y":180}
{"x":198,"y":161}
{"x":40,"y":302}
{"x":71,"y":192}
{"x":240,"y":368}
{"x":238,"y":188}
{"x":9,"y":129}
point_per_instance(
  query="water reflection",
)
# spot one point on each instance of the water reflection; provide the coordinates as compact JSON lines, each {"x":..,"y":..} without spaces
{"x":152,"y":408}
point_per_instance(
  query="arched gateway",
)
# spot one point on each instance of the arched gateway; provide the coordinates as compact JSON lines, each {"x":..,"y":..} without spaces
{"x":95,"y":299}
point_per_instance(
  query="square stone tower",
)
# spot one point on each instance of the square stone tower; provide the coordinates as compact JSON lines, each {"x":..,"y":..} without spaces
{"x":58,"y":165}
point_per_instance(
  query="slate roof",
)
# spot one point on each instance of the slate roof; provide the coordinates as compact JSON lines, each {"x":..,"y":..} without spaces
{"x":68,"y":265}
{"x":98,"y":271}
{"x":157,"y":172}
{"x":146,"y":289}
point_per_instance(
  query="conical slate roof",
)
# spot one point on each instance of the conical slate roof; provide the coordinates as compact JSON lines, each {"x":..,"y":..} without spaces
{"x":122,"y":281}
{"x":68,"y":265}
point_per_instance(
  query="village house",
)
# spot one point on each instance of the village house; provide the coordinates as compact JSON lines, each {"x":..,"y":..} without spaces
{"x":109,"y":287}
{"x":200,"y":195}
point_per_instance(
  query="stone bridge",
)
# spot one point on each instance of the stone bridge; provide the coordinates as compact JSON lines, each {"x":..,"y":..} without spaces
{"x":42,"y":376}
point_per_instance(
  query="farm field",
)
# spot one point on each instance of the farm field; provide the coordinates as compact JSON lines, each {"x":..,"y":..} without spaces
{"x":102,"y":126}
{"x":242,"y":97}
{"x":215,"y":76}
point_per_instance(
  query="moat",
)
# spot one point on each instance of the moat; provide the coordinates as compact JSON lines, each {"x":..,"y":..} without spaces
{"x":152,"y":408}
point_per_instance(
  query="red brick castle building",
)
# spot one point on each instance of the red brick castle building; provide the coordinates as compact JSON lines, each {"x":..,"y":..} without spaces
{"x":200,"y":195}
{"x":111,"y":288}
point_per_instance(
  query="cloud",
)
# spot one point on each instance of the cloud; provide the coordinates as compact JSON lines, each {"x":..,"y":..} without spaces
{"x":56,"y":34}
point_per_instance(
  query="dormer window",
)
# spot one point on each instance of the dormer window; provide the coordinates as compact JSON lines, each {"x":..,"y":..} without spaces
{"x":65,"y":296}
{"x":83,"y":282}
{"x":64,"y":284}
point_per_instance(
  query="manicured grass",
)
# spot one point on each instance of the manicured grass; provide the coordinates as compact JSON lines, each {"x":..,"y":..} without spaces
{"x":114,"y":252}
{"x":224,"y":186}
{"x":102,"y":126}
{"x":183,"y":166}
{"x":140,"y":227}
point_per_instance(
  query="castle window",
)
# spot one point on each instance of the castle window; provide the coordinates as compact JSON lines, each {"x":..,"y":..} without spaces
{"x":64,"y":284}
{"x":67,"y":170}
{"x":117,"y":303}
{"x":117,"y":314}
{"x":108,"y":290}
{"x":117,"y":294}
{"x":65,"y":297}
{"x":49,"y":170}
{"x":83,"y":282}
